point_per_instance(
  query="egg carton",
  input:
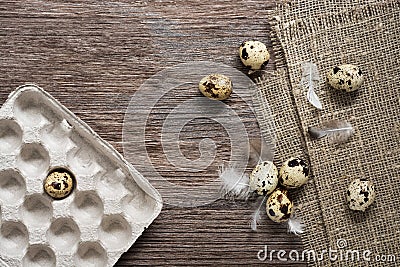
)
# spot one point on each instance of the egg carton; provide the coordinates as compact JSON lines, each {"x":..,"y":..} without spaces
{"x":110,"y":207}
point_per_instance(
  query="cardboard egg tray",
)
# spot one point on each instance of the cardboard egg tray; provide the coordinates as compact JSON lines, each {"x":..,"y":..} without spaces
{"x":108,"y":210}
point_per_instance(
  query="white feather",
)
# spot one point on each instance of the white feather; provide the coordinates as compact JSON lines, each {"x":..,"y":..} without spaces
{"x":338,"y":131}
{"x":234,"y":185}
{"x":310,"y":79}
{"x":295,"y":225}
{"x":313,"y":99}
{"x":256,"y":217}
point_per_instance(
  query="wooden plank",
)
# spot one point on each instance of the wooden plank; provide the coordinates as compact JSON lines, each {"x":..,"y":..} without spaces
{"x":93,"y":55}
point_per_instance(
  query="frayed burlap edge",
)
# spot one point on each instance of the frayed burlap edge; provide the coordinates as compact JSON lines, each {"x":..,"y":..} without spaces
{"x":284,"y":79}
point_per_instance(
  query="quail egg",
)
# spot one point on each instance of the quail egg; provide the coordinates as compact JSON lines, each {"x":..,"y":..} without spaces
{"x":59,"y":183}
{"x":279,"y":206}
{"x":216,"y":86}
{"x":293,"y":173}
{"x":264,"y":178}
{"x":345,"y":77}
{"x":253,"y":54}
{"x":360,"y":194}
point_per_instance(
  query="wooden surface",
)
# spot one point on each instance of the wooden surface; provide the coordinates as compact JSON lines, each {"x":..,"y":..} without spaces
{"x":93,"y":55}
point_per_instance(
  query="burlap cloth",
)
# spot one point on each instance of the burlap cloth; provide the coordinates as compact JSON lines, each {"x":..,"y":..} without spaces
{"x":329,"y":33}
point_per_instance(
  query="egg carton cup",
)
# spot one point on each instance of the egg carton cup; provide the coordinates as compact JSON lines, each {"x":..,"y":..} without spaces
{"x":110,"y":207}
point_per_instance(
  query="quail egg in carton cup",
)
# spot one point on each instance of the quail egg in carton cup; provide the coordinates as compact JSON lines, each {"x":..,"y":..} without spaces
{"x":67,"y":197}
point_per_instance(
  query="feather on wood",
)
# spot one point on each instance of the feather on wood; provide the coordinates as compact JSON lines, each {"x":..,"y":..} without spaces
{"x":256,"y":216}
{"x":234,"y":185}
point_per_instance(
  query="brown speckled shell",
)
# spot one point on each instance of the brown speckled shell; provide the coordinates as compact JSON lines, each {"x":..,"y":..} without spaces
{"x":253,"y":54}
{"x":293,"y":173}
{"x":279,"y":206}
{"x":216,"y":86}
{"x":345,"y":77}
{"x":360,"y":194}
{"x":59,"y":184}
{"x":264,"y":178}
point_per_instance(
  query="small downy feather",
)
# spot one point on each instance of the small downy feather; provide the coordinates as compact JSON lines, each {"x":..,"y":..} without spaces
{"x":234,"y":185}
{"x":295,"y":225}
{"x":256,"y":217}
{"x":310,"y":79}
{"x":338,"y":131}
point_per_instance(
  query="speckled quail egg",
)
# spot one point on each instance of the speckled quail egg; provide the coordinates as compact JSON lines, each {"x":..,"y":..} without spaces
{"x":216,"y":86}
{"x":264,"y":178}
{"x":345,"y":77}
{"x":293,"y":173}
{"x":59,"y":183}
{"x":253,"y":54}
{"x":279,"y":206}
{"x":360,"y":194}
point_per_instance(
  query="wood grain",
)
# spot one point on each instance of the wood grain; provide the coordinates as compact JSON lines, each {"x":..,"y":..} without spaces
{"x":93,"y":55}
